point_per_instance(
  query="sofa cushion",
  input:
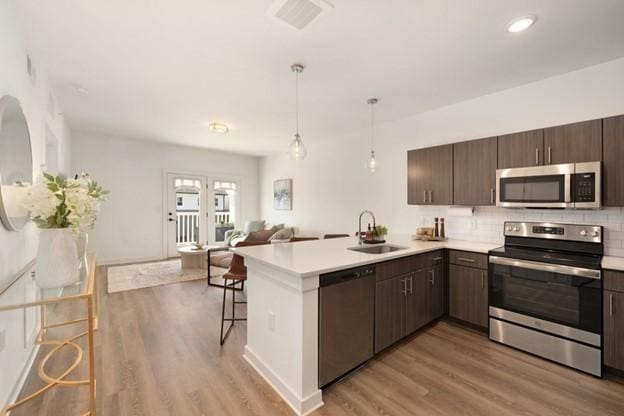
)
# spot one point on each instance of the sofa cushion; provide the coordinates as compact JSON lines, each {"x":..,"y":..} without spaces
{"x":283,"y":234}
{"x":221,"y":259}
{"x":262,"y":235}
{"x":251,"y":226}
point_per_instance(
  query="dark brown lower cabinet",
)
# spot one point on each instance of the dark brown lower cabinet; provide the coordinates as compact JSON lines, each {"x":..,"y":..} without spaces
{"x":416,"y":301}
{"x":613,"y":321}
{"x":406,"y":303}
{"x":468,"y":294}
{"x":435,"y":292}
{"x":389,"y":311}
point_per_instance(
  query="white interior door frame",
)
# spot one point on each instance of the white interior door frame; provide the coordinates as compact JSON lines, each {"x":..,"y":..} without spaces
{"x":208,"y":180}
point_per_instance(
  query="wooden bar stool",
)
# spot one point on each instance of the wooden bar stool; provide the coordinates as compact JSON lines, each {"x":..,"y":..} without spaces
{"x":237,"y":273}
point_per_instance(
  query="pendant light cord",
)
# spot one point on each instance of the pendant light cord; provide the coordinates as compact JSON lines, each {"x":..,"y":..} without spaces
{"x":372,"y":127}
{"x":297,"y":99}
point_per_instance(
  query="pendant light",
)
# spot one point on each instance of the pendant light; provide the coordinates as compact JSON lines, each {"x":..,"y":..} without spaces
{"x":297,"y":150}
{"x":372,"y":162}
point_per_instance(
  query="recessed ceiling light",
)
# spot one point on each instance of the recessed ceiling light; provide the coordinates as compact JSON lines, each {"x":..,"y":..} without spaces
{"x":521,"y":24}
{"x":218,"y":128}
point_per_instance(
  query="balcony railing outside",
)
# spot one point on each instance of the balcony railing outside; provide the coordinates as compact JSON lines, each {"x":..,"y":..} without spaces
{"x":187,"y":225}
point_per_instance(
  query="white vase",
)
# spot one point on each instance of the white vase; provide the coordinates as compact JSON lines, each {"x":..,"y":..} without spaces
{"x":57,"y":259}
{"x":81,"y":244}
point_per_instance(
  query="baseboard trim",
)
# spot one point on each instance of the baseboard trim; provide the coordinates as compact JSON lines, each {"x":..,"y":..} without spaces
{"x":301,"y":406}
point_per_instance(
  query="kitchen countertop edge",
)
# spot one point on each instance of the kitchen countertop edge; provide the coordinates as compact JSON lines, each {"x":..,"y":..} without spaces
{"x":267,"y":254}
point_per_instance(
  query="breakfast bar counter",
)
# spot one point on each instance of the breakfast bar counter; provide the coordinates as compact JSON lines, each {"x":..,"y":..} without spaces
{"x":282,"y":305}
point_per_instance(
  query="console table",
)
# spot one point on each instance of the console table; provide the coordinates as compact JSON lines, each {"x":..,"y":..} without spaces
{"x":82,"y":293}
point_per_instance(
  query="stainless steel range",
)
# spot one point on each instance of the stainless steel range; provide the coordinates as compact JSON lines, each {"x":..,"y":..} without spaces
{"x":545,"y":292}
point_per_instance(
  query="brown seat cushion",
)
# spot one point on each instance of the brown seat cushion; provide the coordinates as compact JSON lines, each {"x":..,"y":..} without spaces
{"x":221,"y":259}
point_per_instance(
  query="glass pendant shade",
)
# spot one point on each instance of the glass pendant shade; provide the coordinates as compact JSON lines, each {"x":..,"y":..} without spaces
{"x":372,"y":162}
{"x":297,"y":150}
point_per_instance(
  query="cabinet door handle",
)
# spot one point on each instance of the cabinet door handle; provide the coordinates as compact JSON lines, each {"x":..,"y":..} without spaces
{"x":437,"y":258}
{"x":491,"y":195}
{"x":537,"y":156}
{"x":610,"y":305}
{"x":465,"y":259}
{"x":430,"y":196}
{"x":411,"y":287}
{"x":432,"y":280}
{"x":482,"y":280}
{"x":549,"y":155}
{"x":404,"y":286}
{"x":424,"y":197}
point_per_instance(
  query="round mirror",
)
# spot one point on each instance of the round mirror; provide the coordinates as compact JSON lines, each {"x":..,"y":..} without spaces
{"x":16,"y":171}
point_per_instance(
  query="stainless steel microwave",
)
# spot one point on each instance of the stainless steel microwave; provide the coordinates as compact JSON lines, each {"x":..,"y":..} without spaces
{"x":568,"y":185}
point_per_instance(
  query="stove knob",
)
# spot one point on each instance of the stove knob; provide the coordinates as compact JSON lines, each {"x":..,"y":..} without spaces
{"x":584,"y":233}
{"x":595,"y":234}
{"x":516,"y":229}
{"x":508,"y":228}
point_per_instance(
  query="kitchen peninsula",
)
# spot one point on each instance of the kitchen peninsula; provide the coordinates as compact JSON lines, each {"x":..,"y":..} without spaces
{"x":283,"y":304}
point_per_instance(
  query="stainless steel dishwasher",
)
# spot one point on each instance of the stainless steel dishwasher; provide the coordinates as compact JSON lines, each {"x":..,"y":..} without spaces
{"x":346,"y":321}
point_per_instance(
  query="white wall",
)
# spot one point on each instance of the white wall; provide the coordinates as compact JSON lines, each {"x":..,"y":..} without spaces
{"x":332,"y":185}
{"x":17,"y":249}
{"x":130,"y":227}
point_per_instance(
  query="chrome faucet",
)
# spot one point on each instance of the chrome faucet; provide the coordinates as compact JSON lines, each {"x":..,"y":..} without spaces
{"x":360,"y":239}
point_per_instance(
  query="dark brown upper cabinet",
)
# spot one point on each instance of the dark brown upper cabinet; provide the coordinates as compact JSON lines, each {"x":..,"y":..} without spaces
{"x":521,"y":149}
{"x":572,"y":143}
{"x":430,"y":176}
{"x":612,"y":157}
{"x":474,"y":172}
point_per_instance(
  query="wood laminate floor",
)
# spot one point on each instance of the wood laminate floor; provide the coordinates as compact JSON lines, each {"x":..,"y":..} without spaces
{"x":158,"y":354}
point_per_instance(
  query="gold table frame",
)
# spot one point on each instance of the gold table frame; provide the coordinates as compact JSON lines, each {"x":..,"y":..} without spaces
{"x":88,"y":294}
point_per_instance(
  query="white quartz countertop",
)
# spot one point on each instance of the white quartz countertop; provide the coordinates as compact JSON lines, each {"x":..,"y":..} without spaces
{"x":613,"y":263}
{"x":307,"y":258}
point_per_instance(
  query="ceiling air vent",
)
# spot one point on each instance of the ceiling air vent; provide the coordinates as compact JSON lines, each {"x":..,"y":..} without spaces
{"x":298,"y":14}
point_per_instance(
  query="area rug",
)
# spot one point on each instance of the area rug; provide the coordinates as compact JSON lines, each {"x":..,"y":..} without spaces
{"x":142,"y":275}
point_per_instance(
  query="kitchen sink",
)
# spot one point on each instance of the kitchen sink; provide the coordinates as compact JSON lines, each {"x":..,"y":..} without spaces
{"x":377,"y":249}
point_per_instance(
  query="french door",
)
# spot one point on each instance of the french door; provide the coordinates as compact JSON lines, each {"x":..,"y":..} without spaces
{"x":200,"y":209}
{"x":186,"y":211}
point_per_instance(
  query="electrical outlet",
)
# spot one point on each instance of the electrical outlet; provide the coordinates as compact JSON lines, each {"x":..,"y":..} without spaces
{"x":271,"y":321}
{"x":2,"y":340}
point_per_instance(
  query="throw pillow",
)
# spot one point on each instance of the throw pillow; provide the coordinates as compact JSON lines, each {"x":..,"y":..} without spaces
{"x":283,"y":234}
{"x":262,"y":235}
{"x":251,"y":226}
{"x":230,"y":235}
{"x":277,"y":227}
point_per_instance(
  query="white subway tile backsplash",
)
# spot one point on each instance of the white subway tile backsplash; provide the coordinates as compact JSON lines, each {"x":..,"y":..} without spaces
{"x":487,"y":223}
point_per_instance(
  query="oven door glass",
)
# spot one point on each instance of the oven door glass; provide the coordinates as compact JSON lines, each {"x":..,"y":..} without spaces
{"x":561,"y":298}
{"x":537,"y":189}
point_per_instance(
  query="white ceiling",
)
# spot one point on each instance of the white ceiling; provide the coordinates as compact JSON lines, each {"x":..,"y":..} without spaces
{"x":163,"y":69}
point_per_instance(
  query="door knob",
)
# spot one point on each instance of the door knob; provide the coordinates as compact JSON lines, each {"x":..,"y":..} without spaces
{"x":171,"y":219}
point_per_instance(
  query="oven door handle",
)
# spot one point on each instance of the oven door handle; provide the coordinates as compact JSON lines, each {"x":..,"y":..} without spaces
{"x":547,"y":267}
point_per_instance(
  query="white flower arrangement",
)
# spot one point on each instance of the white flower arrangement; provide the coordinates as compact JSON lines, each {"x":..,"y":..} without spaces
{"x":57,"y":202}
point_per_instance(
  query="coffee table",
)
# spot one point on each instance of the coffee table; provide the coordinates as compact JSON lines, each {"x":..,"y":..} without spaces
{"x":193,"y":258}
